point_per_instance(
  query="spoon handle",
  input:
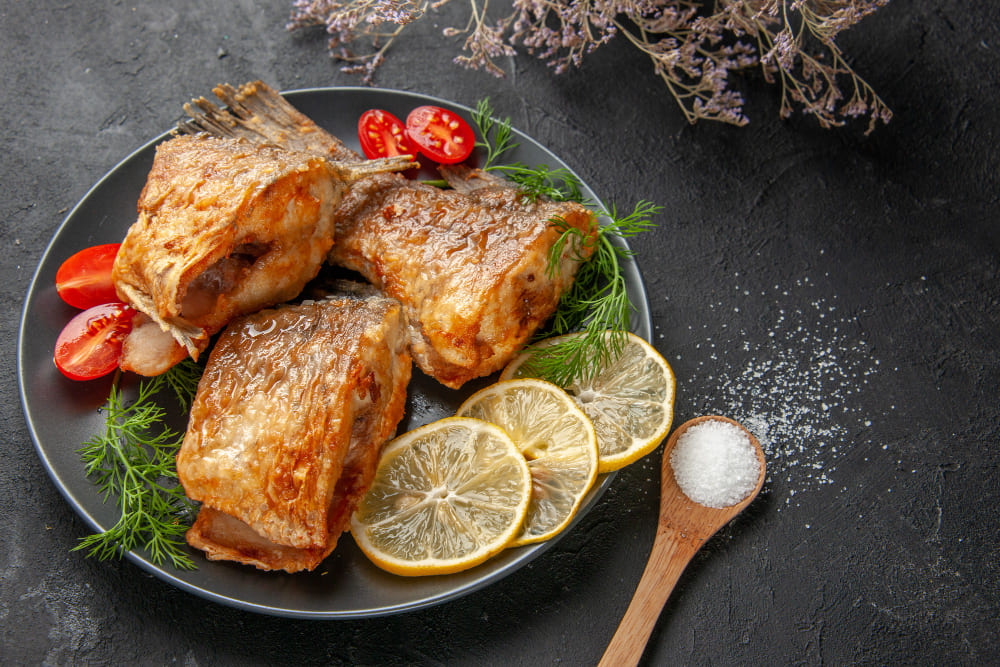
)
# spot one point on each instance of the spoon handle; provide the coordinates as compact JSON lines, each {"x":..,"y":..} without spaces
{"x":670,"y":555}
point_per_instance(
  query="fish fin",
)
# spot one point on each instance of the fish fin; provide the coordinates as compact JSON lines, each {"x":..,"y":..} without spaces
{"x":257,"y":112}
{"x":466,"y":179}
{"x":350,"y":172}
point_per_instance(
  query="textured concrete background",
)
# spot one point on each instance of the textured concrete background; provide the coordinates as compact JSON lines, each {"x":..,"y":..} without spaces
{"x":839,"y":294}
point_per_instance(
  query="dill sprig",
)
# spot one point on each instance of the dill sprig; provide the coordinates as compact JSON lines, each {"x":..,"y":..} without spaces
{"x":597,"y":302}
{"x":133,"y":461}
{"x":558,"y":184}
{"x":183,"y":379}
{"x":496,"y":134}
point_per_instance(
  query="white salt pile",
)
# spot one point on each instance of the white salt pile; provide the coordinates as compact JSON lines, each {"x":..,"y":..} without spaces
{"x":715,"y":464}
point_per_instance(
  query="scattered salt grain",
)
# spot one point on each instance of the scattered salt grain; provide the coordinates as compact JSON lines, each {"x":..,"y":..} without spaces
{"x":715,"y":464}
{"x":777,"y":389}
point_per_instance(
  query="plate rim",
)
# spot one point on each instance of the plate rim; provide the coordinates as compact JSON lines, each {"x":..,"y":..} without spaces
{"x":642,"y":326}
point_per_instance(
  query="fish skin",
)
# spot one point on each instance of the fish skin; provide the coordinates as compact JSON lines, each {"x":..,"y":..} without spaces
{"x":285,"y":430}
{"x":471,"y":268}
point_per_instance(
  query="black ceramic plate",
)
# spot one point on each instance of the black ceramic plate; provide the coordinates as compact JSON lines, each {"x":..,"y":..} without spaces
{"x":62,"y":414}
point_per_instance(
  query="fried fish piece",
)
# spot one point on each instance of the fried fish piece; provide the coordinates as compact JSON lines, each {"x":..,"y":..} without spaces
{"x":470,"y":265}
{"x":225,"y":227}
{"x":287,"y":425}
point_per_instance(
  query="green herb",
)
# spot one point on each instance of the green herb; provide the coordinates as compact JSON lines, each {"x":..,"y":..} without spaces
{"x":183,"y":379}
{"x":538,"y":181}
{"x":597,"y":304}
{"x":598,"y":300}
{"x":133,"y":460}
{"x":437,"y":183}
{"x":496,"y":134}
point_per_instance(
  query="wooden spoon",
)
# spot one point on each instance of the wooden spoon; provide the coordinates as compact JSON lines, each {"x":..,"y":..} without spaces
{"x":683,"y":527}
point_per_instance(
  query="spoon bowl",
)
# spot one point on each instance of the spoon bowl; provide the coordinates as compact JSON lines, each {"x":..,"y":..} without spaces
{"x":684,"y":526}
{"x":682,"y":514}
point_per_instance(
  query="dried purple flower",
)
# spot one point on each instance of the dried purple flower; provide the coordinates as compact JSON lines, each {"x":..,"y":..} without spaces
{"x":694,"y":45}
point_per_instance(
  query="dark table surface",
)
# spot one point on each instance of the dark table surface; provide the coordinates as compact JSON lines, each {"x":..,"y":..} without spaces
{"x":840,"y":294}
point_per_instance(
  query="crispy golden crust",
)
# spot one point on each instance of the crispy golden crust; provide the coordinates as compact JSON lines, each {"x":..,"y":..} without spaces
{"x":225,"y":227}
{"x":471,"y":268}
{"x":290,"y":416}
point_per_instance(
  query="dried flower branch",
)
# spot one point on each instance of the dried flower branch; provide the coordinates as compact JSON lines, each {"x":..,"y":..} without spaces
{"x":347,"y":22}
{"x":694,"y":45}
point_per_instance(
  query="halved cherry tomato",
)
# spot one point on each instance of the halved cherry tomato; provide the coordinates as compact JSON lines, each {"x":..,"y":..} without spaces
{"x":84,"y":280}
{"x":383,"y":135}
{"x":440,"y":134}
{"x":90,"y":345}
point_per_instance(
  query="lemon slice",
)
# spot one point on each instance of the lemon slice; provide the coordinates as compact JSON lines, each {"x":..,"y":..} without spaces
{"x":555,"y":437}
{"x":446,"y":497}
{"x":630,"y":400}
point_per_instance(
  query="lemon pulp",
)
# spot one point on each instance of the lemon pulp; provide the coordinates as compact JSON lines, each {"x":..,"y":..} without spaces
{"x":445,"y":497}
{"x":556,"y":438}
{"x":629,"y":400}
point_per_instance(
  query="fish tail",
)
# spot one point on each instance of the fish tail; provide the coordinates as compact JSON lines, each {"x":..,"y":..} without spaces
{"x":258,"y":113}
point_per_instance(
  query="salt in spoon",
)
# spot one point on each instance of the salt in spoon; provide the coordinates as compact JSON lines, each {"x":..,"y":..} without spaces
{"x":684,"y":526}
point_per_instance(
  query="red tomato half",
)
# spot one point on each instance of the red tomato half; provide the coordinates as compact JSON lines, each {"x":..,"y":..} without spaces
{"x":440,"y":134}
{"x":383,"y":135}
{"x":84,"y":280}
{"x":90,"y":345}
